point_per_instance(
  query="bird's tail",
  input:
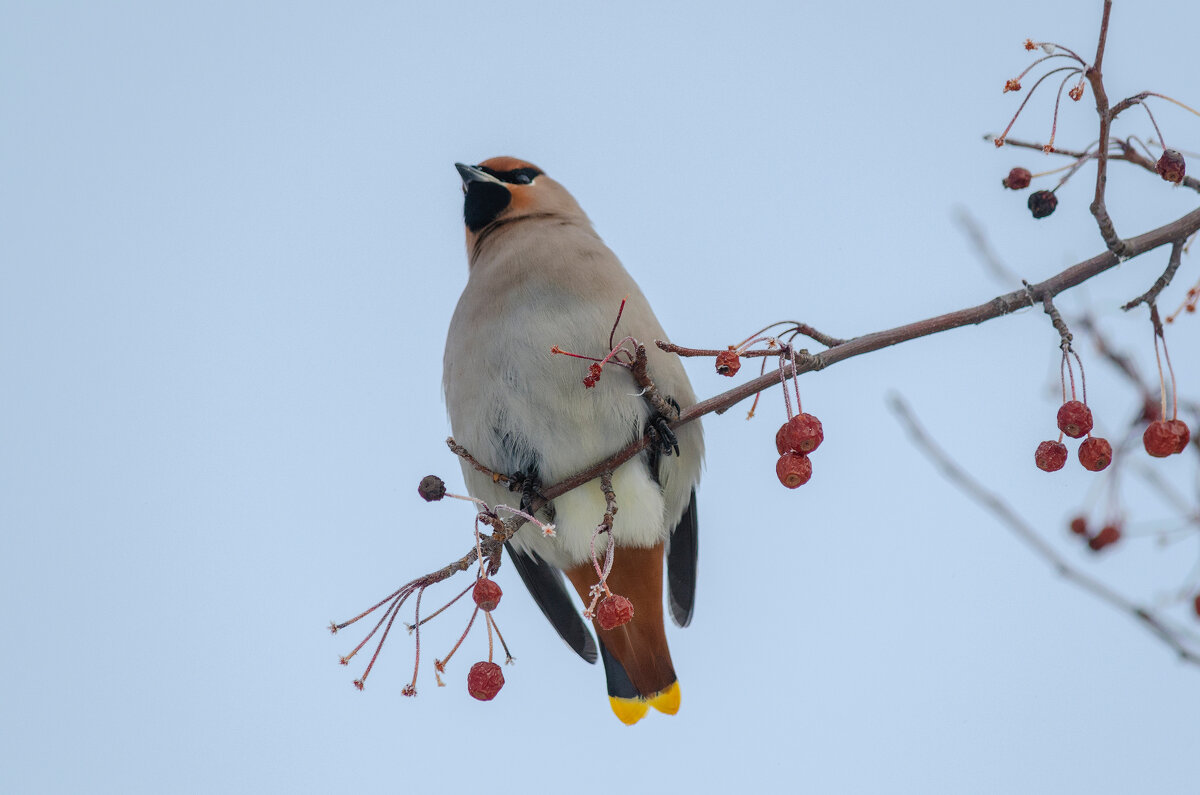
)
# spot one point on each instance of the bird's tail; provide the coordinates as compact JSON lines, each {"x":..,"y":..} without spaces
{"x":637,"y":661}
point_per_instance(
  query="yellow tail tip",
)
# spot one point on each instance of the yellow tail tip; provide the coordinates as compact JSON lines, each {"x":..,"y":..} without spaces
{"x":628,"y":710}
{"x":666,"y":701}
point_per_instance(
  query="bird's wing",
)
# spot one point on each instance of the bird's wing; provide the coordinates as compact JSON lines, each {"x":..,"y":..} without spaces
{"x":681,"y":565}
{"x":545,"y":583}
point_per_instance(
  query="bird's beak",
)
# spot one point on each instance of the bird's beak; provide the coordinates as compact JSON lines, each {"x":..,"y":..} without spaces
{"x":474,"y":174}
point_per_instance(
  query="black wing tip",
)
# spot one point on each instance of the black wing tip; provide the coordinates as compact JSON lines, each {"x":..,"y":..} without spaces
{"x":545,"y":584}
{"x":682,"y":557}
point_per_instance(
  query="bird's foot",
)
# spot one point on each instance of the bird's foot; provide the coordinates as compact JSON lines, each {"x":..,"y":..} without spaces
{"x":659,"y":430}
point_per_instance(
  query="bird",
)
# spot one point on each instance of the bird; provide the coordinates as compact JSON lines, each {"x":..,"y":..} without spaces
{"x":539,"y":276}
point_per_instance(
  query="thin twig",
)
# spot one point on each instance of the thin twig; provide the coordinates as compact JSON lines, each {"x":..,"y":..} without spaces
{"x":1151,"y":295}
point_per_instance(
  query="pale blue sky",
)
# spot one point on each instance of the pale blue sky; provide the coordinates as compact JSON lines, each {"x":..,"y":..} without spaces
{"x":231,"y":246}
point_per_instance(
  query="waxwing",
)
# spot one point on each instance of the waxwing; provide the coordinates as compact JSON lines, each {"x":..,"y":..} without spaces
{"x":540,"y":277}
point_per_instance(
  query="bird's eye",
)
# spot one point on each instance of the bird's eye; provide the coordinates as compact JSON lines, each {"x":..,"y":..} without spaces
{"x":522,"y":179}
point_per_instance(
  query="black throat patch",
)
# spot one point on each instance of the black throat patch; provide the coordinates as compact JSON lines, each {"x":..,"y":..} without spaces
{"x":484,"y":201}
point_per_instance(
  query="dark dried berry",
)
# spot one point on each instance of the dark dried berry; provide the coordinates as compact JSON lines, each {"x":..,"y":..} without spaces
{"x":486,"y":594}
{"x":485,"y":680}
{"x":1079,"y":526}
{"x":793,"y":469}
{"x":1109,"y":534}
{"x":1017,"y":179}
{"x":728,"y":363}
{"x":1042,"y":203}
{"x":1196,"y":604}
{"x":613,"y":612}
{"x":1159,"y":439}
{"x":1074,"y":419}
{"x":1171,"y":166}
{"x":1050,"y":456}
{"x":1095,"y":454}
{"x":431,"y":488}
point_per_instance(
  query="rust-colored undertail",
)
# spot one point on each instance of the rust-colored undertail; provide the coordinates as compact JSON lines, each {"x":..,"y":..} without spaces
{"x":637,"y":662}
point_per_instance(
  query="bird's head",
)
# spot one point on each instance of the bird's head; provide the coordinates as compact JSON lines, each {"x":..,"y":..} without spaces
{"x":504,"y":190}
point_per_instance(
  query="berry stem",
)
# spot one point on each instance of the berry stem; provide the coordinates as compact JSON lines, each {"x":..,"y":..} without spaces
{"x":507,"y":654}
{"x":1161,"y":141}
{"x":787,"y":398}
{"x":1162,"y":385}
{"x":1000,"y":140}
{"x":412,"y":687}
{"x":443,"y":608}
{"x":461,"y":637}
{"x":1082,"y":378}
{"x":1049,"y":147}
{"x":620,"y":311}
{"x":487,"y":620}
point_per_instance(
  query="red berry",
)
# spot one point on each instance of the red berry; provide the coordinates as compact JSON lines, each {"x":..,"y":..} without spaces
{"x":793,"y":469}
{"x":1196,"y":604}
{"x":1109,"y":534}
{"x":1050,"y":456}
{"x":1017,"y":179}
{"x":1074,"y":419}
{"x":1095,"y":454}
{"x":1079,"y":526}
{"x":485,"y":680}
{"x":1182,"y":434}
{"x":614,"y":611}
{"x":804,"y":433}
{"x":728,"y":363}
{"x":1171,"y":166}
{"x":486,"y":594}
{"x":1042,"y":203}
{"x":780,"y":443}
{"x":1159,"y":439}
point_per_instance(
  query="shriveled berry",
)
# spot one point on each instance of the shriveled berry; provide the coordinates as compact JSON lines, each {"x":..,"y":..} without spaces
{"x":728,"y":363}
{"x":1171,"y":166}
{"x":485,"y":680}
{"x":781,"y":439}
{"x":1109,"y":534}
{"x":1095,"y":454}
{"x":1159,"y":439}
{"x":803,"y":434}
{"x":1196,"y":604}
{"x":431,"y":488}
{"x":1042,"y":203}
{"x":614,"y":611}
{"x":1079,"y":526}
{"x":1074,"y":419}
{"x":1050,"y":456}
{"x":1017,"y":179}
{"x":793,"y":469}
{"x":1182,"y":435}
{"x":486,"y":594}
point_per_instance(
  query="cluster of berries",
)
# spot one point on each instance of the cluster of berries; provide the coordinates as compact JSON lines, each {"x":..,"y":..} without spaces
{"x":1108,"y":535}
{"x":795,"y":439}
{"x":1075,"y":420}
{"x":1041,"y":202}
{"x":485,"y":678}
